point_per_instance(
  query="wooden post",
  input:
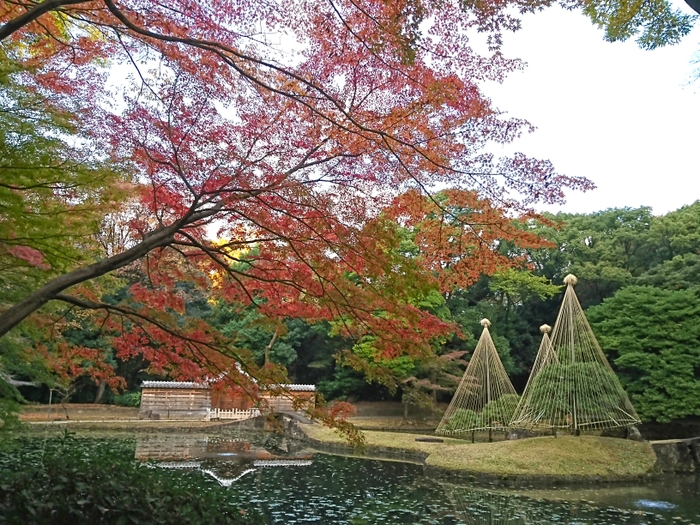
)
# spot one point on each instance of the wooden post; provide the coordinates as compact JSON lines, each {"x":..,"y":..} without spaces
{"x":48,"y":414}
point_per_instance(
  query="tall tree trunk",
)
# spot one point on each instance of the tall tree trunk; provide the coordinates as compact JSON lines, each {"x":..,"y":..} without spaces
{"x":270,"y":345}
{"x":100,"y":391}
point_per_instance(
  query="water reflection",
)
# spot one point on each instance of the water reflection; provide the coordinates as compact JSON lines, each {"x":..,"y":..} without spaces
{"x":481,"y":507}
{"x":651,"y":504}
{"x":224,"y":459}
{"x":478,"y":506}
{"x":290,"y":484}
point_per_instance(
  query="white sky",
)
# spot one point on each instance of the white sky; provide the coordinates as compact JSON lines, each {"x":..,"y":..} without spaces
{"x":627,"y":119}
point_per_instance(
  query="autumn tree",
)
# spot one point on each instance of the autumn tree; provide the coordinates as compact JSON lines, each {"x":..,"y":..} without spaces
{"x":54,"y":191}
{"x":308,"y":130}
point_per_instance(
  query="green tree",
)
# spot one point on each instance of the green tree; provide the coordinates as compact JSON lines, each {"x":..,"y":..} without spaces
{"x":655,"y":23}
{"x":513,"y":288}
{"x":679,"y":273}
{"x":605,"y":250}
{"x":269,"y":340}
{"x":561,"y":390}
{"x":440,"y":373}
{"x":53,"y":194}
{"x":55,"y":191}
{"x":515,"y":302}
{"x":677,"y":232}
{"x":651,"y":336}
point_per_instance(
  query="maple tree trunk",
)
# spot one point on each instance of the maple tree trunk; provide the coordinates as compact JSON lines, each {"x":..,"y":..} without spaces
{"x":23,"y":309}
{"x":269,"y":346}
{"x":100,"y":391}
{"x":433,"y":380}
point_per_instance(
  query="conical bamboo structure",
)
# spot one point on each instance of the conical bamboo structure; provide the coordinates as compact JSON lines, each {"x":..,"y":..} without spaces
{"x":485,"y":398}
{"x":545,"y":356}
{"x":571,"y":384}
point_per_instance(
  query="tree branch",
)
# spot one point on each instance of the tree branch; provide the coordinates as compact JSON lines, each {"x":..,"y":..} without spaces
{"x":32,"y":14}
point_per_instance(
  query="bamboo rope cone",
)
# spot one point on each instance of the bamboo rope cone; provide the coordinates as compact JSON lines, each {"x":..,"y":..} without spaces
{"x":545,"y":356}
{"x":485,"y":398}
{"x":572,"y":384}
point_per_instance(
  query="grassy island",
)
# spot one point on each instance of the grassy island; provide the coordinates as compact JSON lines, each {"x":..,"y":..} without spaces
{"x":561,"y":457}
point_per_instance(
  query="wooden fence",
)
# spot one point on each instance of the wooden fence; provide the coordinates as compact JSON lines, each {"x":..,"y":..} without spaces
{"x":235,"y":413}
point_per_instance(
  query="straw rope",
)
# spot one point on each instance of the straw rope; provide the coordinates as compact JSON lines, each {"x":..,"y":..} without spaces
{"x":572,"y":384}
{"x":485,"y":398}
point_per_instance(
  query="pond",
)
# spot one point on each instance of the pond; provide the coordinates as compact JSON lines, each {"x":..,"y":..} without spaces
{"x":286,"y":483}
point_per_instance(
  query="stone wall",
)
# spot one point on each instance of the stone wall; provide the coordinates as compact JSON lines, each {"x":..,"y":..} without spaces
{"x":677,"y":455}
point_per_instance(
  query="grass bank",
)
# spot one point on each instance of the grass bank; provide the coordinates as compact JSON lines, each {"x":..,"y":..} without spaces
{"x":562,"y":458}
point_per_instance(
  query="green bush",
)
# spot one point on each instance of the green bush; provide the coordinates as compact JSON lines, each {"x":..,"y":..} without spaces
{"x":86,"y":481}
{"x":499,"y":412}
{"x":9,"y":406}
{"x":462,"y":421}
{"x":129,"y":399}
{"x":592,"y":386}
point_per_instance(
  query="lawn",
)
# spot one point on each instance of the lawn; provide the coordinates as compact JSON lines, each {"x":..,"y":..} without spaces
{"x":570,"y":456}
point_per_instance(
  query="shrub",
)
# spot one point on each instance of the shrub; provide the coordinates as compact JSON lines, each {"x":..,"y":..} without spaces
{"x":129,"y":399}
{"x":84,"y":481}
{"x":9,"y":406}
{"x":499,"y":412}
{"x":462,"y":421}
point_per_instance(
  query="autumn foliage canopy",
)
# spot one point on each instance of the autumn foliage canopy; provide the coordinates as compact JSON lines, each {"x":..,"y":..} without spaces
{"x":267,"y":153}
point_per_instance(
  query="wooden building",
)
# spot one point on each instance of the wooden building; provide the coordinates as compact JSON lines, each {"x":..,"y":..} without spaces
{"x":174,"y":400}
{"x":189,"y":400}
{"x":306,"y":394}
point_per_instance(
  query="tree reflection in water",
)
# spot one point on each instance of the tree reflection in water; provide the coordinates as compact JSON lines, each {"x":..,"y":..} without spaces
{"x":481,"y":507}
{"x":289,"y":484}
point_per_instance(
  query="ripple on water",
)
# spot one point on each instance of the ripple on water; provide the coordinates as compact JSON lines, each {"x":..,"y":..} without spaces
{"x":338,"y":490}
{"x":651,"y":504}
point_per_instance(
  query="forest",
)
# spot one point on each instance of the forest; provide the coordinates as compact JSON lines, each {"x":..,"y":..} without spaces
{"x":305,"y":192}
{"x":638,"y":281}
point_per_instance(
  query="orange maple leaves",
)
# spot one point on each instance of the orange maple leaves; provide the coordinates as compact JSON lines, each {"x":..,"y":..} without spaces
{"x":300,"y":152}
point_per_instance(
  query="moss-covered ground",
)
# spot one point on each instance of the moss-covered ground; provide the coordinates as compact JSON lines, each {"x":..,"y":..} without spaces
{"x":563,"y":456}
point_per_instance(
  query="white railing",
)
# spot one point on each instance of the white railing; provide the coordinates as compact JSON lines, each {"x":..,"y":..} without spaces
{"x":235,"y":413}
{"x":178,"y":464}
{"x":282,"y":463}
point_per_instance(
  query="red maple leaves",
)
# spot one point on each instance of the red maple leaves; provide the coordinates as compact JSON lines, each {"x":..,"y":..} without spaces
{"x":296,"y":133}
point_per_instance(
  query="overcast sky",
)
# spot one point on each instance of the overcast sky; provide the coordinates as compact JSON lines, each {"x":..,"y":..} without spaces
{"x":625,"y":118}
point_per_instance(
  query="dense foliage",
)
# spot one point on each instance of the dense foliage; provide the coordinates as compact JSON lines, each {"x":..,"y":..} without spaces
{"x":497,"y":413}
{"x":641,"y":268}
{"x":558,"y":386}
{"x":69,"y":480}
{"x":652,"y":336}
{"x":315,"y":168}
{"x":275,"y":182}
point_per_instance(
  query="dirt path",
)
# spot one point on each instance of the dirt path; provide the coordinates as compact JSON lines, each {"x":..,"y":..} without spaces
{"x":78,"y":412}
{"x":385,"y":415}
